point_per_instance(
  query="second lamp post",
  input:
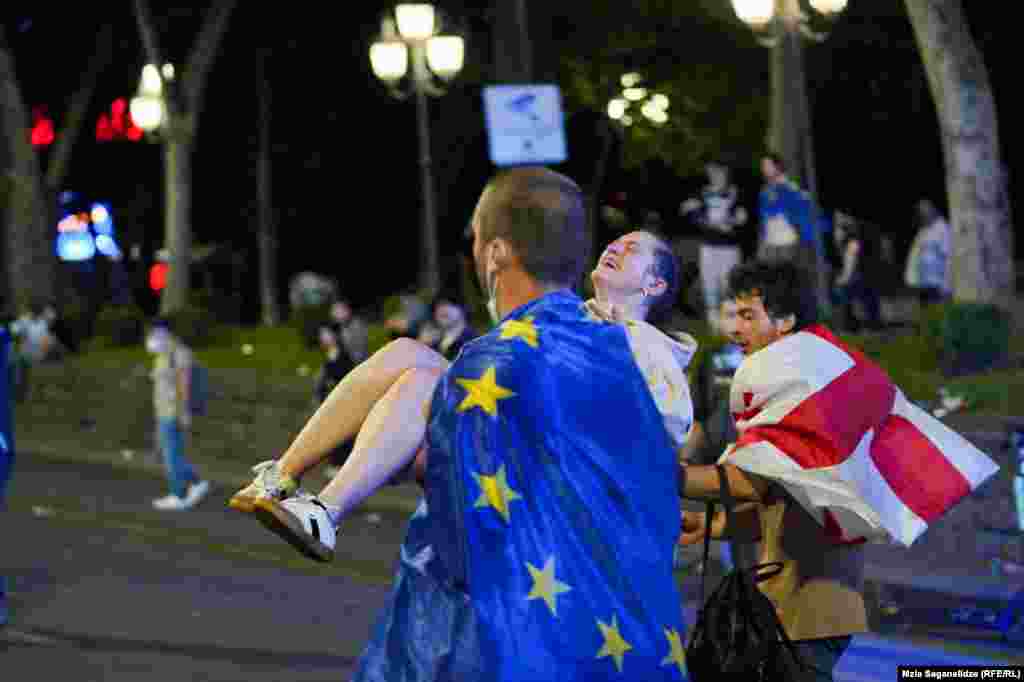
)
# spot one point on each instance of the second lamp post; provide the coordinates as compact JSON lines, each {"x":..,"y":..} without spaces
{"x":410,"y":34}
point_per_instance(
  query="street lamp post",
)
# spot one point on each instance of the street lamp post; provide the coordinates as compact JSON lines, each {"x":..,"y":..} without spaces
{"x":782,"y":25}
{"x":410,"y":34}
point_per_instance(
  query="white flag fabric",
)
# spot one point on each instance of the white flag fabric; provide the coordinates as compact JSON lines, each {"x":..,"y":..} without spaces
{"x":827,"y":424}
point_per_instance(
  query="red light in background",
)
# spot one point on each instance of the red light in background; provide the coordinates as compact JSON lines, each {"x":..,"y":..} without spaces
{"x":42,"y":134}
{"x":104,"y":133}
{"x":118,"y":124}
{"x":158,"y":276}
{"x":117,"y":112}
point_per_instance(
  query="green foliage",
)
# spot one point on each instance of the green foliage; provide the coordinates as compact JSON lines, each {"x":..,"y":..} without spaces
{"x":121,"y":326}
{"x":705,"y":62}
{"x":377,"y":337}
{"x":306,"y":320}
{"x":390,"y":306}
{"x":194,"y":324}
{"x":966,"y":337}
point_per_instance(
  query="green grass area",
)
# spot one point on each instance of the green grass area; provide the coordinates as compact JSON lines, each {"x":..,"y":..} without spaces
{"x":279,"y":352}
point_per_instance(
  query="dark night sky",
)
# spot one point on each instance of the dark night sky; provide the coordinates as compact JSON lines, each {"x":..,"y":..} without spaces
{"x":346,"y":180}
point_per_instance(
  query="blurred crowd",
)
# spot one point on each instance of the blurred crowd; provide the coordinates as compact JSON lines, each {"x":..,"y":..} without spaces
{"x":718,"y":225}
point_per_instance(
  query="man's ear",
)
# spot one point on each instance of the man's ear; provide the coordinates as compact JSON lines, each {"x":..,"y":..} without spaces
{"x":502,"y":252}
{"x":786,"y":324}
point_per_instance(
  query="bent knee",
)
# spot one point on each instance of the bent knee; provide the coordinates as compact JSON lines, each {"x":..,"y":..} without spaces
{"x":410,"y":353}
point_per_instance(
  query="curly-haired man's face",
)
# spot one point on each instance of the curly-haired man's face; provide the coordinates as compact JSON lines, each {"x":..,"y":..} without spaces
{"x":754,"y":328}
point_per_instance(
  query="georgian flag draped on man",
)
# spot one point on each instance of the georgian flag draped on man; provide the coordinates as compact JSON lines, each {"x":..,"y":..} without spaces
{"x":878,"y":469}
{"x":543,"y":550}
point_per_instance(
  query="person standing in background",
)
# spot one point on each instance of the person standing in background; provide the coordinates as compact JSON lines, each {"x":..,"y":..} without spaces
{"x":928,"y":263}
{"x":353,"y":331}
{"x":171,"y":388}
{"x":716,"y":214}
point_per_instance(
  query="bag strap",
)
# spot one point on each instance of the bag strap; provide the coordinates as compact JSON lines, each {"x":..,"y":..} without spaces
{"x":725,"y":495}
{"x":709,"y":514}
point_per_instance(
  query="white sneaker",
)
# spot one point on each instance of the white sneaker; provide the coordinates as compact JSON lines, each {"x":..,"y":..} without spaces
{"x":302,"y":521}
{"x":269,"y":484}
{"x":171,"y":503}
{"x":196,"y":492}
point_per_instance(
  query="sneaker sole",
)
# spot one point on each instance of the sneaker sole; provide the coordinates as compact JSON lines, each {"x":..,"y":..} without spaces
{"x":243,"y":503}
{"x":283,"y":523}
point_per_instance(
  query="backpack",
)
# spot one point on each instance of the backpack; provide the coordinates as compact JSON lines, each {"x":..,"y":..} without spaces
{"x":738,"y":635}
{"x":198,"y":387}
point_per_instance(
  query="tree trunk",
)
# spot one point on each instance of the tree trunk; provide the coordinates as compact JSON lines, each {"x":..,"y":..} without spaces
{"x":983,"y":267}
{"x":184,"y":100}
{"x":267,"y":229}
{"x":30,"y":263}
{"x":177,"y":149}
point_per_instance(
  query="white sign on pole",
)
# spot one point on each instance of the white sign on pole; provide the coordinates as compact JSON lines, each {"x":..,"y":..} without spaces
{"x":525,"y":124}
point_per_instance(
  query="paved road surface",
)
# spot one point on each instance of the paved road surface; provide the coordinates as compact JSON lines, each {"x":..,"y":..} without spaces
{"x":104,"y":588}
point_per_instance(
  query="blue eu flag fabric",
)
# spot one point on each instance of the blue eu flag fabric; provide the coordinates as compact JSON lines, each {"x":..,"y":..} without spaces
{"x":543,"y":547}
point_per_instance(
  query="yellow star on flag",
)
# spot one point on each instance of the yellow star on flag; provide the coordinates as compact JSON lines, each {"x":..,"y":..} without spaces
{"x":676,"y":654}
{"x":520,"y":329}
{"x":614,"y":645}
{"x":495,"y":492}
{"x":483,"y":393}
{"x":545,"y":585}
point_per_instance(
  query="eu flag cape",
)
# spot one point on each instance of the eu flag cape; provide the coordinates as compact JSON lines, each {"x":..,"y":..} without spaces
{"x":543,"y":548}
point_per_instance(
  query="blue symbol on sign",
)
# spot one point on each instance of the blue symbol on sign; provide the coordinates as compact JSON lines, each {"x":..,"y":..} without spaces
{"x":523,"y":105}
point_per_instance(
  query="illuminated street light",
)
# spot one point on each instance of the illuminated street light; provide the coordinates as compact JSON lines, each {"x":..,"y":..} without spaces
{"x":634,"y":94}
{"x":628,"y":80}
{"x":410,"y":38}
{"x":617,"y":108}
{"x":147,"y":108}
{"x":829,"y":7}
{"x":756,"y":13}
{"x":415,"y":21}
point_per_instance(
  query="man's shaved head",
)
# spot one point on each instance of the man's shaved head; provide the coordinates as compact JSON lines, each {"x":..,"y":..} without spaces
{"x":542,"y":216}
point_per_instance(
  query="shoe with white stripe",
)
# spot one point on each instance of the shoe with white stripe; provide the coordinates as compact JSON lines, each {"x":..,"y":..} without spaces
{"x":302,"y":521}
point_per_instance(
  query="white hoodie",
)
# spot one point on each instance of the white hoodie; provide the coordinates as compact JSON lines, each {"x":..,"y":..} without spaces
{"x":662,"y":359}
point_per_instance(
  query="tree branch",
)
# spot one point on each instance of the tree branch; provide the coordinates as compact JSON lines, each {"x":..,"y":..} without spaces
{"x":203,"y":53}
{"x":147,"y":31}
{"x":61,"y":158}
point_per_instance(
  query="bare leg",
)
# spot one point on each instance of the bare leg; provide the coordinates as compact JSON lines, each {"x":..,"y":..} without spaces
{"x":388,"y":441}
{"x":348,"y":405}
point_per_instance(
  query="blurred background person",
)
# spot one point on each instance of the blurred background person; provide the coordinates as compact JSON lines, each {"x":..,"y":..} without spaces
{"x":928,"y":263}
{"x":715,"y":214}
{"x":859,"y":245}
{"x":171,"y":376}
{"x":455,"y":332}
{"x":408,"y":321}
{"x":713,"y":426}
{"x":36,"y":341}
{"x":353,"y":330}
